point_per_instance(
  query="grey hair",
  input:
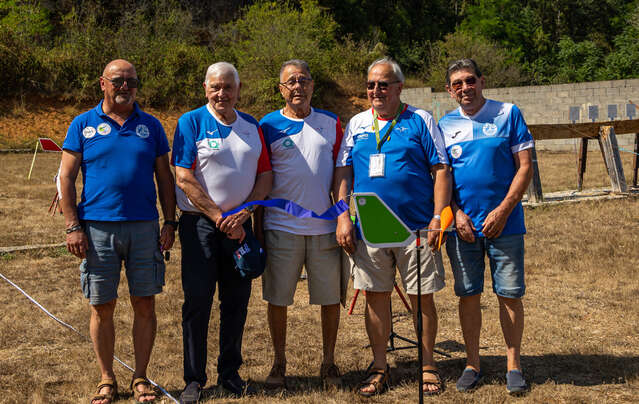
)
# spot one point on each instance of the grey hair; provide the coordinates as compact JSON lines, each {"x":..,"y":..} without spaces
{"x":462,"y":64}
{"x":298,"y":63}
{"x":397,"y":71}
{"x":221,"y":68}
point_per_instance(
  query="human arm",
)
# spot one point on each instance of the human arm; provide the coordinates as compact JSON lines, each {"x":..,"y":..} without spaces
{"x":345,"y":233}
{"x":77,"y":242}
{"x":496,"y":220}
{"x":166,"y":193}
{"x":442,"y":193}
{"x":261,"y":189}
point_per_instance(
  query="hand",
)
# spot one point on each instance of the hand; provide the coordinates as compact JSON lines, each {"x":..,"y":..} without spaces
{"x":231,"y":222}
{"x":77,"y":243}
{"x":495,"y":223}
{"x":345,"y":234}
{"x":237,"y":234}
{"x":465,"y":227}
{"x":433,"y":236}
{"x":167,"y":237}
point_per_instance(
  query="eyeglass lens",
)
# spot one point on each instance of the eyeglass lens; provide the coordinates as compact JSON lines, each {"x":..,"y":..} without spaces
{"x":470,"y":81}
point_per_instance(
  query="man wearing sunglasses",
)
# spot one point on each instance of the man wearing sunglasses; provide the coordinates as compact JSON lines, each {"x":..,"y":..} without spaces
{"x":396,"y":151}
{"x":119,"y":149}
{"x":303,"y":143}
{"x":490,"y":148}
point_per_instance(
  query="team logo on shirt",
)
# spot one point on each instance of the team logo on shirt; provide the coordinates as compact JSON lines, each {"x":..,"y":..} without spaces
{"x":142,"y":131}
{"x":401,"y":129}
{"x":288,"y":144}
{"x":456,"y":151}
{"x":489,"y":129}
{"x":214,"y":144}
{"x":361,"y":136}
{"x":88,"y":132}
{"x":104,"y":129}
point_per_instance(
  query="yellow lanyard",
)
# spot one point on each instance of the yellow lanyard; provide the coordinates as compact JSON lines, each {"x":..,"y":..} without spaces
{"x":390,"y":127}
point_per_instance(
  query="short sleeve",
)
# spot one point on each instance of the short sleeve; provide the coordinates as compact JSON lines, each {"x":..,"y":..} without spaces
{"x":520,"y":136}
{"x":344,"y":157}
{"x":73,"y":140}
{"x":184,"y":147}
{"x":162,"y":144}
{"x":264,"y":162}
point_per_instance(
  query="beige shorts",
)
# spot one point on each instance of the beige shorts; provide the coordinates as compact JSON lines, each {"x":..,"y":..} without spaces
{"x":286,"y":253}
{"x":374,"y":268}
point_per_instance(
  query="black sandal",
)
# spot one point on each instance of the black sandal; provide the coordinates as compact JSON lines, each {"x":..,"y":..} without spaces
{"x":438,"y":383}
{"x":379,"y":385}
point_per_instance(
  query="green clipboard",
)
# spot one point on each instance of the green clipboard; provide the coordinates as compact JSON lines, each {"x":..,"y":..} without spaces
{"x":380,"y":226}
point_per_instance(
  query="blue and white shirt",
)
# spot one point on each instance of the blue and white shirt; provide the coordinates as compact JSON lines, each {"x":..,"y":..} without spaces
{"x":118,"y":164}
{"x":303,"y":153}
{"x":225,"y":159}
{"x":480,"y":149}
{"x":414,"y":146}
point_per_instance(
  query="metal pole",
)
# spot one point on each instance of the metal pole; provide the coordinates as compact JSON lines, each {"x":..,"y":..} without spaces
{"x":420,"y":359}
{"x":33,"y":161}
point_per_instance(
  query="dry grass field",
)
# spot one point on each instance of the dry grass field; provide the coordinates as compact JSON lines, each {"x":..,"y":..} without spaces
{"x":581,"y":343}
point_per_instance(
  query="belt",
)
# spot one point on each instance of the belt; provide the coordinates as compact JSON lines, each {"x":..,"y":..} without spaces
{"x":187,"y":212}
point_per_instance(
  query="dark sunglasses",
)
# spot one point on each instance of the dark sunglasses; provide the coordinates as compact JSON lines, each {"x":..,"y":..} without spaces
{"x":118,"y":82}
{"x":303,"y":81}
{"x":470,"y":81}
{"x":383,"y":85}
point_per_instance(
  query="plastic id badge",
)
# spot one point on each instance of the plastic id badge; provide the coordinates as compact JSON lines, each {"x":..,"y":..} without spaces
{"x":376,"y":165}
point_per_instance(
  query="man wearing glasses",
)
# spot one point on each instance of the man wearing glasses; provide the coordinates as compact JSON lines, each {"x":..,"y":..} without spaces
{"x":396,"y":151}
{"x":303,"y":144}
{"x":220,"y":163}
{"x":119,"y":149}
{"x":490,"y":148}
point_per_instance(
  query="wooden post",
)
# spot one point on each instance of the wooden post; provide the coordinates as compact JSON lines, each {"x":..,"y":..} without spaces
{"x":610,"y":148}
{"x":581,"y":162}
{"x":535,"y":193}
{"x":635,"y":161}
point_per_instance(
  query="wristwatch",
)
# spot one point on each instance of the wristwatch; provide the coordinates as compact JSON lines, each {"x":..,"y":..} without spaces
{"x":73,"y":228}
{"x":250,"y":209}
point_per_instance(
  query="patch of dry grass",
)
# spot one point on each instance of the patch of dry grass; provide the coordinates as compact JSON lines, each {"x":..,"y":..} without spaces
{"x":580,"y":342}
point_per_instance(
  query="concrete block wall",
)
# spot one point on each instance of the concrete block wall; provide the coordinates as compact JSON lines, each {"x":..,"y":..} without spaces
{"x":546,"y":104}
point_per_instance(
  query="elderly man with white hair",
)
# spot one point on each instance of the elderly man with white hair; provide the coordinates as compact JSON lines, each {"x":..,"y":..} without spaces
{"x":220,"y":163}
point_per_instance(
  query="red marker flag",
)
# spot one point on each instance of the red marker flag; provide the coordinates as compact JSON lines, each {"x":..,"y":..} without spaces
{"x":49,"y":145}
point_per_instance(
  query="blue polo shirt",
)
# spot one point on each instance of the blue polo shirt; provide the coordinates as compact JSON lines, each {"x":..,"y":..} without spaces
{"x":118,"y":164}
{"x":414,"y":146}
{"x":480,"y":149}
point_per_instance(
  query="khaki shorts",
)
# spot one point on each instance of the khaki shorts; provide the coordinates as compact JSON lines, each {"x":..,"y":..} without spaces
{"x":286,"y":253}
{"x":374,"y":268}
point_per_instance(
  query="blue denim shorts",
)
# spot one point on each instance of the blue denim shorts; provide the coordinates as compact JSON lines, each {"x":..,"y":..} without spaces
{"x":110,"y":243}
{"x":506,"y":256}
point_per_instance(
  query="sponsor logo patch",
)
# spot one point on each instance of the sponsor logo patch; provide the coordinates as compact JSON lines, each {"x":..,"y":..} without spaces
{"x":88,"y":132}
{"x":288,"y":144}
{"x":489,"y":129}
{"x":214,"y":144}
{"x":104,"y":129}
{"x":456,"y":151}
{"x":142,"y":131}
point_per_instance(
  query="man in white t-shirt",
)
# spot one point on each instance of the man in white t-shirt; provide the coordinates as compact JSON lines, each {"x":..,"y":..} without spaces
{"x":303,"y":143}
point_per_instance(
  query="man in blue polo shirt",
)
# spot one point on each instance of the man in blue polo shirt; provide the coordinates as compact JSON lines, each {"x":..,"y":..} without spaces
{"x":396,"y":151}
{"x":489,"y":147}
{"x":119,"y":149}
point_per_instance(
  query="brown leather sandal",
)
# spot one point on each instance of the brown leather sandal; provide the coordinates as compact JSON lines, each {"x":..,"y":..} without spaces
{"x":380,"y":384}
{"x":149,"y":390}
{"x":437,"y":383}
{"x":111,"y":395}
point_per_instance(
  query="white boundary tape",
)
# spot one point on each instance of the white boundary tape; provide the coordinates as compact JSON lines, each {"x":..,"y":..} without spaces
{"x":166,"y":393}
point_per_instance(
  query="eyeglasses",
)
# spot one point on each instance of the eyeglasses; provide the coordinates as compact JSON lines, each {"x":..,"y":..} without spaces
{"x":118,"y":82}
{"x":470,"y":82}
{"x":303,"y":82}
{"x":383,"y":85}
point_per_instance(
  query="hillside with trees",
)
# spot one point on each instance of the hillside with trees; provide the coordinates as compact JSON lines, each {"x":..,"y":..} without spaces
{"x":57,"y":49}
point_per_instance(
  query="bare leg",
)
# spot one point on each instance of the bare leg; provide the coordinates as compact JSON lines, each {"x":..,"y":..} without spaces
{"x":102,"y":333}
{"x":470,"y":319}
{"x":511,"y":316}
{"x":378,"y":324}
{"x":277,"y":317}
{"x":144,"y":328}
{"x":429,"y":332}
{"x":330,"y":324}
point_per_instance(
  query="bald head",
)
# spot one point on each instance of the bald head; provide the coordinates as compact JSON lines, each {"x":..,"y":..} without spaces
{"x":119,"y":65}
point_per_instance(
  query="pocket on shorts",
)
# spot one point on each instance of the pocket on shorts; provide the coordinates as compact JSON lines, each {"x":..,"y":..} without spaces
{"x":84,"y":278}
{"x":159,"y":268}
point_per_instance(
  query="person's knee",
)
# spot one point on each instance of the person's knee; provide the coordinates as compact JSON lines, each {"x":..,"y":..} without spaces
{"x":143,"y":306}
{"x":103,"y":311}
{"x":510,"y":302}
